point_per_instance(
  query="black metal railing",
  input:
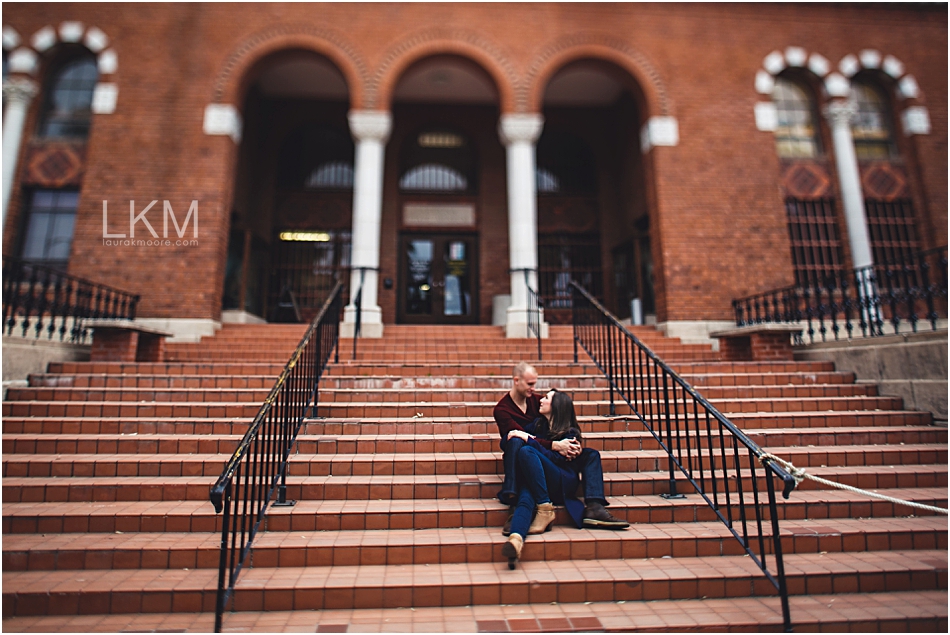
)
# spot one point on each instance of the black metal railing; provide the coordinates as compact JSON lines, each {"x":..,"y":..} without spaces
{"x":51,"y":303}
{"x":533,"y":307}
{"x":358,"y":306}
{"x":258,"y":467}
{"x":902,"y":292}
{"x":724,"y":466}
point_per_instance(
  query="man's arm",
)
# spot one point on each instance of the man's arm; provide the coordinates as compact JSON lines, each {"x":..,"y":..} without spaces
{"x":506,"y":422}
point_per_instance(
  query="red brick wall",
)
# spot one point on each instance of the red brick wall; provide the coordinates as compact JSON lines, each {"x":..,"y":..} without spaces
{"x":717,"y":220}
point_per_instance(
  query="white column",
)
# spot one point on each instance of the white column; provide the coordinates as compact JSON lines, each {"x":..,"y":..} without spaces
{"x":839,"y":114}
{"x":17,"y":94}
{"x":370,"y":130}
{"x":519,"y":133}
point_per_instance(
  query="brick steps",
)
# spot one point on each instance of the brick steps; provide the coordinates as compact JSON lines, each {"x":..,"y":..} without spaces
{"x":453,"y":546}
{"x":167,"y":484}
{"x":824,"y":380}
{"x":107,"y":468}
{"x":434,"y":425}
{"x":461,"y":442}
{"x":487,"y":396}
{"x":921,"y":611}
{"x":465,"y":584}
{"x":421,"y":514}
{"x":439,"y":462}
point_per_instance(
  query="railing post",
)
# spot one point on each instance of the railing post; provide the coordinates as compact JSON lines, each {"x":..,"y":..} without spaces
{"x":223,"y":558}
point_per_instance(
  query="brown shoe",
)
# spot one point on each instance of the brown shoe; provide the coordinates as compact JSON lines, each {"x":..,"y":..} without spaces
{"x":512,"y":549}
{"x":506,"y":530}
{"x":543,"y":519}
{"x":596,"y":516}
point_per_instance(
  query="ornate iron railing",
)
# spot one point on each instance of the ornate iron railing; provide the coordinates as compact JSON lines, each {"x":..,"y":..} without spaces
{"x":533,"y":308}
{"x":905,"y":291}
{"x":258,"y":467}
{"x":45,"y":299}
{"x":724,"y":466}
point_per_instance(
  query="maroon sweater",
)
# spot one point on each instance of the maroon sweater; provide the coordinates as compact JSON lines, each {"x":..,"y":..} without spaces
{"x":509,"y":417}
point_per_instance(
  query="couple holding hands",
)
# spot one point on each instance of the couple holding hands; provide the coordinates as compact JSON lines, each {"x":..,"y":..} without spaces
{"x":545,"y":462}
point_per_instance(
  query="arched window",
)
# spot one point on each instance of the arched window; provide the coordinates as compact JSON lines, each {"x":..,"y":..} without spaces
{"x":67,"y":108}
{"x":796,"y":136}
{"x":331,"y":175}
{"x":871,"y":129}
{"x":432,"y":177}
{"x":316,"y":157}
{"x":548,"y":183}
{"x":566,"y":165}
{"x":437,"y":161}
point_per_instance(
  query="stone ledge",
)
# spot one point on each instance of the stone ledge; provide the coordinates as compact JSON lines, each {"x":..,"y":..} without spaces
{"x":749,"y":329}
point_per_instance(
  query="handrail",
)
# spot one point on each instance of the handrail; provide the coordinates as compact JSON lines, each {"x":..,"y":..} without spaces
{"x":897,"y":291}
{"x":358,"y":305}
{"x":37,"y":291}
{"x":533,"y":306}
{"x":675,"y":414}
{"x":259,"y":465}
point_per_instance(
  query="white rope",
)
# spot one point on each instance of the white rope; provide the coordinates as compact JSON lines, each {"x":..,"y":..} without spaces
{"x":799,"y":474}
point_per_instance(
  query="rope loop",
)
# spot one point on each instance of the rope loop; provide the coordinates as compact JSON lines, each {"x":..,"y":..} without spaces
{"x":799,"y":474}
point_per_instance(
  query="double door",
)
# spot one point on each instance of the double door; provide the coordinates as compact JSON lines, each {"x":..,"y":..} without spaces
{"x":438,"y":279}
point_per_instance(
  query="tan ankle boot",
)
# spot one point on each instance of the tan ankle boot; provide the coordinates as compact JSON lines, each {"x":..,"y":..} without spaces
{"x":543,"y":519}
{"x":512,"y":549}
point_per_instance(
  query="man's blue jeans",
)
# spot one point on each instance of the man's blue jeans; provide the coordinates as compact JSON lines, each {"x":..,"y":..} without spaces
{"x":509,"y":488}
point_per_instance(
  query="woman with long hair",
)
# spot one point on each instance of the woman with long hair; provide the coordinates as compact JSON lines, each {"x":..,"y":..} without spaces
{"x":545,"y":475}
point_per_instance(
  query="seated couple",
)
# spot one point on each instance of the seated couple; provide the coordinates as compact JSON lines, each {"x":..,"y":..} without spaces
{"x":545,"y":462}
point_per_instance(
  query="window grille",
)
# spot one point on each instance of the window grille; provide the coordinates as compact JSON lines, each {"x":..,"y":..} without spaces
{"x":332,"y":175}
{"x":49,"y":227}
{"x":796,"y":134}
{"x":68,"y":106}
{"x":547,"y":182}
{"x":872,"y":134}
{"x":309,"y":268}
{"x":892,"y":230}
{"x":433,"y":177}
{"x":563,"y":257}
{"x":816,"y":244}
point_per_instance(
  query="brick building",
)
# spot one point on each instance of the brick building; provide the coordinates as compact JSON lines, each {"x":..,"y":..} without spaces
{"x":439,"y":154}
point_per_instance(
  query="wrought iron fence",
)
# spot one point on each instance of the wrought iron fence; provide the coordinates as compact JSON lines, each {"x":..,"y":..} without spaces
{"x":534,"y":306}
{"x":726,"y":468}
{"x":904,"y":291}
{"x":258,"y":467}
{"x":47,"y":300}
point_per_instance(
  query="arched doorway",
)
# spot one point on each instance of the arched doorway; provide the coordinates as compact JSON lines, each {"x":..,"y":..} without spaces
{"x":593,"y":211}
{"x":292,"y":209}
{"x":444,"y":195}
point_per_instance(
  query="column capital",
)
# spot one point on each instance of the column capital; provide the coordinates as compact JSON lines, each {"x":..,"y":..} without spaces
{"x":520,"y":127}
{"x":19,"y":89}
{"x":370,"y":125}
{"x":841,"y":112}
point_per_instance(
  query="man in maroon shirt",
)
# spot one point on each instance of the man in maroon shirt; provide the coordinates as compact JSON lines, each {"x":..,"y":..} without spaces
{"x":519,"y":410}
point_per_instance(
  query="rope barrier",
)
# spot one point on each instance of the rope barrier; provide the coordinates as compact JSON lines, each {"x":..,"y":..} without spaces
{"x":799,"y":474}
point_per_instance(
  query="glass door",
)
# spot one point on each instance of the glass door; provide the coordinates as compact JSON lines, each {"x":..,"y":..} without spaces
{"x":438,"y":279}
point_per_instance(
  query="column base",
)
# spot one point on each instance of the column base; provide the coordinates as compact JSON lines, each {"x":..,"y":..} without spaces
{"x":371,"y":322}
{"x":516,"y":324}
